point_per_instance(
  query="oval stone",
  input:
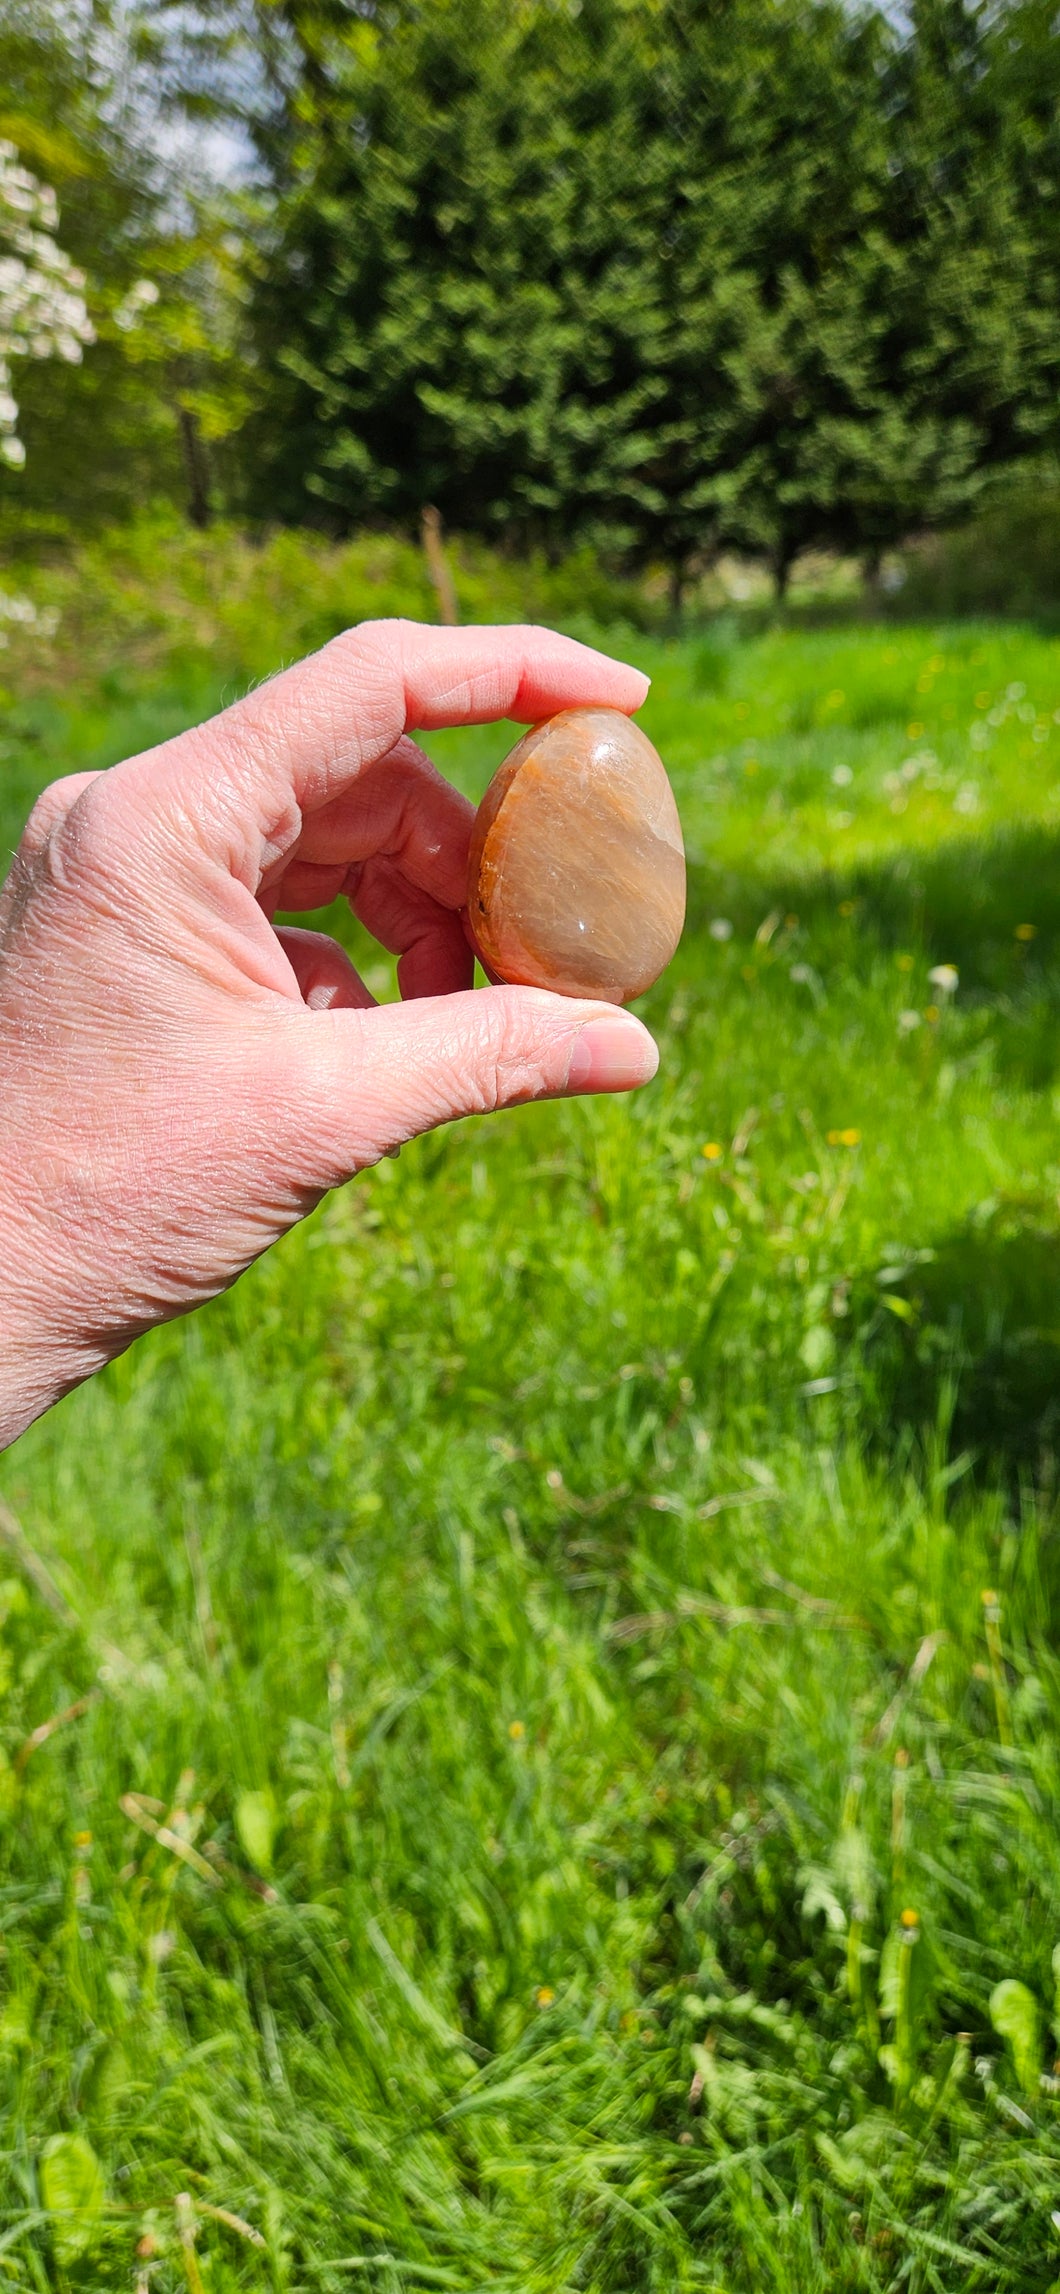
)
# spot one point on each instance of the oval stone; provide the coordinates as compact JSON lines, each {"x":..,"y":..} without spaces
{"x":576,"y":880}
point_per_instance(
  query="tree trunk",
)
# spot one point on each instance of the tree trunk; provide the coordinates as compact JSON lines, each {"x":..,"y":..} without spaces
{"x":438,"y":566}
{"x":783,"y":559}
{"x":196,"y":468}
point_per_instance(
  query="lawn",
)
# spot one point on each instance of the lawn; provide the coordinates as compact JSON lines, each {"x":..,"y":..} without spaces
{"x":531,"y":1730}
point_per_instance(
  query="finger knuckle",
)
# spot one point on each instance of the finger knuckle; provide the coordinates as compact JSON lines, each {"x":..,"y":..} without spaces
{"x":513,"y":1061}
{"x":80,"y":845}
{"x":50,"y":806}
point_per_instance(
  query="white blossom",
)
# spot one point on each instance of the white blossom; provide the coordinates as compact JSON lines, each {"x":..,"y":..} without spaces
{"x":142,"y":296}
{"x":42,"y":305}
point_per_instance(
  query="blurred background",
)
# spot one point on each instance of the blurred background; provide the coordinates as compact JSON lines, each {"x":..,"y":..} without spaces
{"x":530,"y":1730}
{"x":725,"y":295}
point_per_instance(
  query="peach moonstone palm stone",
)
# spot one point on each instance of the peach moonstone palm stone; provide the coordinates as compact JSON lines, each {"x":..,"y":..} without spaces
{"x":576,"y":879}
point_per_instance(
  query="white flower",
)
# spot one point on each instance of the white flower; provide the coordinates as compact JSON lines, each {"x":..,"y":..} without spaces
{"x":944,"y":977}
{"x":842,"y":777}
{"x":142,"y":295}
{"x":966,"y":799}
{"x":720,"y":929}
{"x":907,"y":1021}
{"x":42,"y":306}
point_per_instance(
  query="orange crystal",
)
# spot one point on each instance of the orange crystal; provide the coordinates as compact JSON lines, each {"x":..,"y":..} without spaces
{"x":576,"y":879}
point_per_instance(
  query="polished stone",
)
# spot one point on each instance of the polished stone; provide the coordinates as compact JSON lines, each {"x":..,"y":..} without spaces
{"x":577,"y":869}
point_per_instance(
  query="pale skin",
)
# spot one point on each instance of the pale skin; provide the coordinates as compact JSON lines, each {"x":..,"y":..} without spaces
{"x":180,"y":1082}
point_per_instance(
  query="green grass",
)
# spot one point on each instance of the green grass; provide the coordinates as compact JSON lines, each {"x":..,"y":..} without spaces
{"x":545,"y":1600}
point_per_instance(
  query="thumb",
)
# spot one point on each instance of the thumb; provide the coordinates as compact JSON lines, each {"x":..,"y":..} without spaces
{"x":369,"y":1080}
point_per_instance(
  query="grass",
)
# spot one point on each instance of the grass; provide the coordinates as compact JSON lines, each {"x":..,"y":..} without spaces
{"x":531,"y":1730}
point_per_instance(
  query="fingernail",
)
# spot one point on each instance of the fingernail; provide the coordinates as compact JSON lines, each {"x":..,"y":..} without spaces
{"x":612,"y":1055}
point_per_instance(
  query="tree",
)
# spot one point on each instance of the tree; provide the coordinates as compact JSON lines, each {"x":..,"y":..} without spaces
{"x":42,"y":306}
{"x":461,"y":302}
{"x":162,"y":377}
{"x":671,"y":274}
{"x":571,"y":272}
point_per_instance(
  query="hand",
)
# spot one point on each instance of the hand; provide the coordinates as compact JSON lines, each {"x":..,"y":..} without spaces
{"x":180,"y":1081}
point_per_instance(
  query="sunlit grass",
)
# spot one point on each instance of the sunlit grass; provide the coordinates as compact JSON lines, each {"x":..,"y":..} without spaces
{"x":543,"y":1802}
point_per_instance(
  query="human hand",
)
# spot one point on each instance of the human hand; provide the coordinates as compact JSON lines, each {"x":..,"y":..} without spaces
{"x":181,"y":1082}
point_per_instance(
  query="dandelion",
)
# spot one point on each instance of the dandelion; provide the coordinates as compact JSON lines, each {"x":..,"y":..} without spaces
{"x":720,"y":928}
{"x":931,"y":1013}
{"x":517,"y":1731}
{"x":847,"y":907}
{"x":842,"y":777}
{"x":712,"y":1152}
{"x":944,"y":977}
{"x":904,"y":963}
{"x":907,"y":1021}
{"x":845,"y":1138}
{"x":544,"y":1996}
{"x":982,"y":700}
{"x":910,"y":1920}
{"x":914,"y":732}
{"x":1026,"y":931}
{"x":967,"y":799}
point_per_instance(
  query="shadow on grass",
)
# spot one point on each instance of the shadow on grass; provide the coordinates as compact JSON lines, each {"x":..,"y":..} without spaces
{"x":966,"y":1340}
{"x":989,"y":905}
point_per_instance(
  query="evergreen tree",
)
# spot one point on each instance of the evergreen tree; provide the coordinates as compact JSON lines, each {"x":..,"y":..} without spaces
{"x":677,"y":274}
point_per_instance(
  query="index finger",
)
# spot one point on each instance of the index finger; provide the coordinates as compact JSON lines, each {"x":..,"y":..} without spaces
{"x":246,"y":780}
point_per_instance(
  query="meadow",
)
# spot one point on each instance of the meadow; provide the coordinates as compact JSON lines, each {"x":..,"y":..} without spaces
{"x":530,"y":1731}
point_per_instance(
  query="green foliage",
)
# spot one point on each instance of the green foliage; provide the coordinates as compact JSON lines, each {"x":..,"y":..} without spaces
{"x":158,"y":608}
{"x":165,"y":383}
{"x":73,"y":2192}
{"x":663,"y":1830}
{"x":660,"y":277}
{"x":255,"y":1822}
{"x":1016,"y":2015}
{"x":1006,"y":561}
{"x":679,"y":278}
